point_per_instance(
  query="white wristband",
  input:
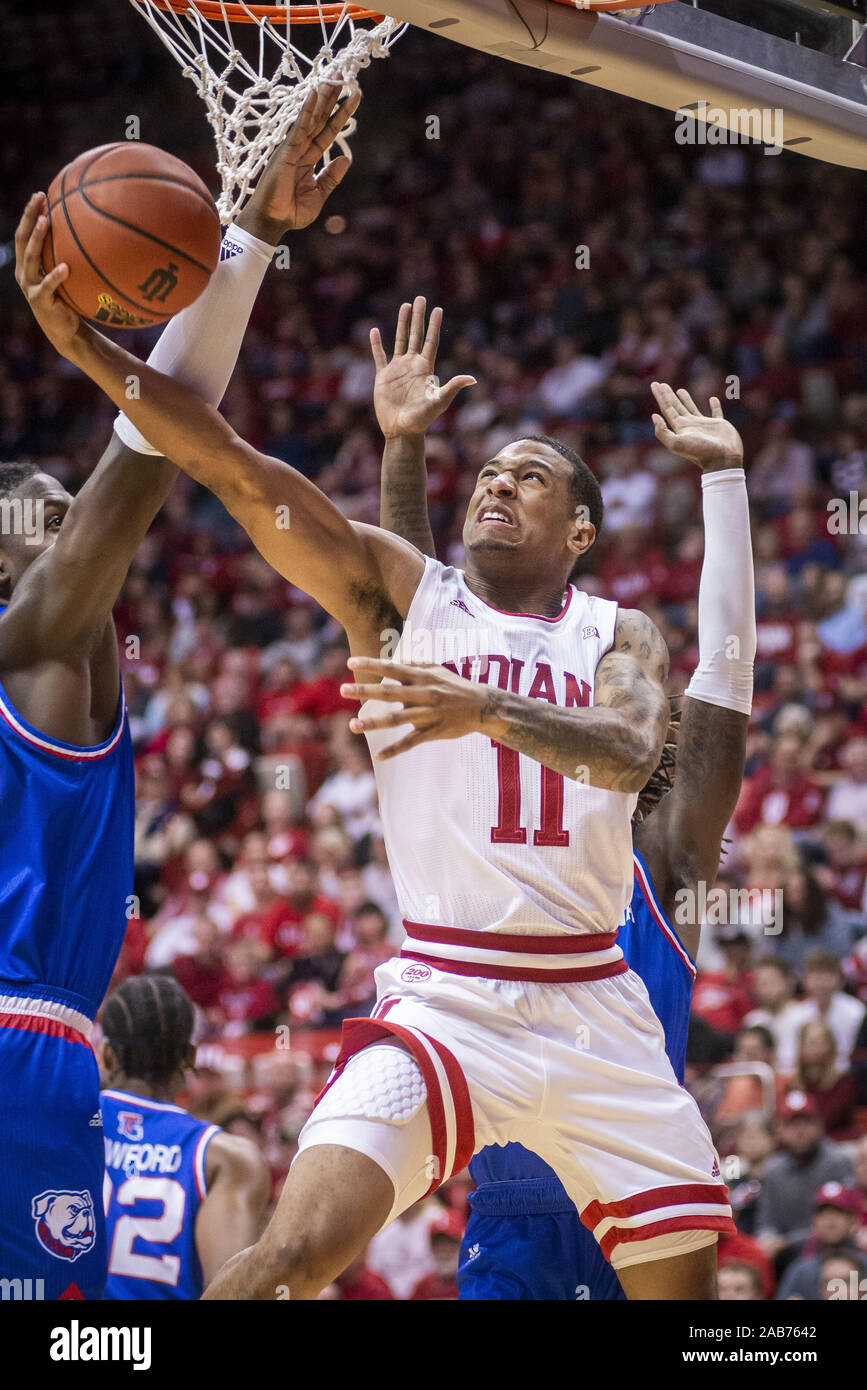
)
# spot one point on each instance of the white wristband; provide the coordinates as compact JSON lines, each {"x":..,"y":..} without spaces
{"x":200,"y":345}
{"x":727,"y":600}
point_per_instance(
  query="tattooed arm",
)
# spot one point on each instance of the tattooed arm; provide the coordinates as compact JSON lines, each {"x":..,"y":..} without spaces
{"x":680,"y":842}
{"x":615,"y":743}
{"x":408,"y":398}
{"x":403,"y":493}
{"x":618,"y":740}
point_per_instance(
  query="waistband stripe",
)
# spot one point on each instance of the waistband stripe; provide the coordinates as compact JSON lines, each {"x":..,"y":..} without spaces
{"x":570,"y":945}
{"x":43,"y":1016}
{"x":557,"y":973}
{"x":509,"y":956}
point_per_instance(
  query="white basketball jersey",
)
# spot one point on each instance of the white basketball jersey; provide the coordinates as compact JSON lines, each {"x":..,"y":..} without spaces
{"x":480,"y":837}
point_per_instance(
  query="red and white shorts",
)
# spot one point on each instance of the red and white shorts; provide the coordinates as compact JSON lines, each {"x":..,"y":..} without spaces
{"x":577,"y":1072}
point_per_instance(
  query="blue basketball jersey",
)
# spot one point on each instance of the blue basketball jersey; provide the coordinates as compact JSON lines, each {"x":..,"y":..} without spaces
{"x":66,"y":860}
{"x":66,"y":870}
{"x":524,"y":1239}
{"x":154,"y":1187}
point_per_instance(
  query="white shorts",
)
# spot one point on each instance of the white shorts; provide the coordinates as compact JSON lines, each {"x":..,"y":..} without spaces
{"x":575,"y":1072}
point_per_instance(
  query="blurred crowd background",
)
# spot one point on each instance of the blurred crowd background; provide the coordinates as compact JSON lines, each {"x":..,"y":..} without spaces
{"x":261,"y":873}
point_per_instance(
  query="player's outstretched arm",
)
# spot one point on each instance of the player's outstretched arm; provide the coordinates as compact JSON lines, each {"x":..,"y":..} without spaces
{"x":681,"y":840}
{"x":68,"y":593}
{"x":75,"y":585}
{"x":360,"y":575}
{"x":614,"y":744}
{"x":232,"y":1215}
{"x":408,"y":398}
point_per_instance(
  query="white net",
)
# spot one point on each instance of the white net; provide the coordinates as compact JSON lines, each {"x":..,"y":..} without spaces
{"x":252,"y":98}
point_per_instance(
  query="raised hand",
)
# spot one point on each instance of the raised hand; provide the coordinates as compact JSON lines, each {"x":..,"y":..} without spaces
{"x":290,"y":194}
{"x":407,"y":396}
{"x":710,"y":441}
{"x":59,"y":323}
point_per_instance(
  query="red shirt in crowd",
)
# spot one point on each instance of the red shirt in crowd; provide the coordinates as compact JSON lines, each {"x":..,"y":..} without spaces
{"x":847,"y":886}
{"x":367,"y":1288}
{"x":320,"y":698}
{"x":721,"y":1001}
{"x":280,"y":918}
{"x":630,"y":582}
{"x":433,"y":1287}
{"x":775,"y":639}
{"x":202,"y":977}
{"x":247,"y":1002}
{"x":747,"y":1251}
{"x":285,"y":930}
{"x":799,"y":804}
{"x":836,"y":1105}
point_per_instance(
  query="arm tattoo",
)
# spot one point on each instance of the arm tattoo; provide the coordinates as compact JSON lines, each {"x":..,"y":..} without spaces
{"x":710,"y":757}
{"x":614,"y":743}
{"x":711,"y":751}
{"x":637,"y":635}
{"x":617,"y":741}
{"x":403,"y":493}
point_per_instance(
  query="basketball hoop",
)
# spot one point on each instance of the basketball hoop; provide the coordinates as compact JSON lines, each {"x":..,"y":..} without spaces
{"x":252,"y":99}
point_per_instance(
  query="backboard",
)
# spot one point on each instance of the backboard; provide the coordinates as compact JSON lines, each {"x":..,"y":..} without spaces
{"x":727,"y":62}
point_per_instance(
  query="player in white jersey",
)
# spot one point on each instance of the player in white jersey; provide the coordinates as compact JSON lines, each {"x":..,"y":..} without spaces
{"x":521,"y":1021}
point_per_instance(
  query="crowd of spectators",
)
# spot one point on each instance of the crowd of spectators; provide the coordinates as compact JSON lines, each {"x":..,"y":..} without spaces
{"x":580,"y":253}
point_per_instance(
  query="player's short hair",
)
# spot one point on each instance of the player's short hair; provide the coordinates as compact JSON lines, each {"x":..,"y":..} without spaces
{"x":586,"y":491}
{"x":148,"y":1022}
{"x":12,"y":475}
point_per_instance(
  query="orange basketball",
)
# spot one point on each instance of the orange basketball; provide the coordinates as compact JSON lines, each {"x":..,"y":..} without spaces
{"x":138,"y":230}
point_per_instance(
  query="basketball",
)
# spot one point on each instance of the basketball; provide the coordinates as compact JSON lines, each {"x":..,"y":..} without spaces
{"x":138,"y":230}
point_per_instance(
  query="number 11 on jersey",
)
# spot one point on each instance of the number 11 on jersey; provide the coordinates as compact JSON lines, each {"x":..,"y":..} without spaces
{"x":508,"y":830}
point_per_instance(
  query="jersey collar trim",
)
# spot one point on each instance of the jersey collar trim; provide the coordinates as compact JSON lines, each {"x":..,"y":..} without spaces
{"x":144,"y":1101}
{"x":534,"y":617}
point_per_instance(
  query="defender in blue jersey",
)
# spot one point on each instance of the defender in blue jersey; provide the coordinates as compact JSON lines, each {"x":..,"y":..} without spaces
{"x":181,"y":1196}
{"x":66,"y":845}
{"x":66,"y":769}
{"x":524,"y":1239}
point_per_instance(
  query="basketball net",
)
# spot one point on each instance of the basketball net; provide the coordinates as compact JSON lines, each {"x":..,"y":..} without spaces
{"x":251,"y":104}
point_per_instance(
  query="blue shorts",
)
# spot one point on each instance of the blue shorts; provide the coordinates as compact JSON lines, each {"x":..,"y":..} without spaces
{"x":52,"y":1163}
{"x":524,"y":1240}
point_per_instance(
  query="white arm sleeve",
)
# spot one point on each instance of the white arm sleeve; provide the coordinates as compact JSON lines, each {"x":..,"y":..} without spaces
{"x":727,"y":598}
{"x":200,"y":345}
